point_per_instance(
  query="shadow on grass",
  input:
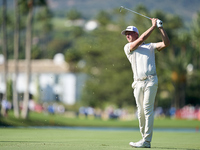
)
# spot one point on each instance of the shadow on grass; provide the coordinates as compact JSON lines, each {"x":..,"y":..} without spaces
{"x":33,"y":120}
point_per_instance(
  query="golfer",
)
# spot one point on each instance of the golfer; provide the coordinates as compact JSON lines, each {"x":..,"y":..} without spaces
{"x":142,"y":59}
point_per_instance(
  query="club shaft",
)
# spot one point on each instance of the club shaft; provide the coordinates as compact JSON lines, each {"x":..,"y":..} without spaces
{"x":134,"y":12}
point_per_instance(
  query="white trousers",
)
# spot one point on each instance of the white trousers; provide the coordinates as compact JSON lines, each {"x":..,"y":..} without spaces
{"x":145,"y":93}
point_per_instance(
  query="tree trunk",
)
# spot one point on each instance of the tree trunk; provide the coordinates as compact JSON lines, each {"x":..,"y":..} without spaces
{"x":28,"y":59}
{"x":16,"y":51}
{"x":4,"y":43}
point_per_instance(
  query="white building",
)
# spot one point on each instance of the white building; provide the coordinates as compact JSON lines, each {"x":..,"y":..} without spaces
{"x":51,"y":80}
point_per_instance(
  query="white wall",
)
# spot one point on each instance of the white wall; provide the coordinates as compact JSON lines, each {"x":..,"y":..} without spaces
{"x":50,"y":84}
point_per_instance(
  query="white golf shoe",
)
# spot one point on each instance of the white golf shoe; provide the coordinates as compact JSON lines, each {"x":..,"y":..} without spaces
{"x":140,"y":144}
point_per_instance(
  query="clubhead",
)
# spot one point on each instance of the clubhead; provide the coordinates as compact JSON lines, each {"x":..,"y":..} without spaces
{"x":120,"y":10}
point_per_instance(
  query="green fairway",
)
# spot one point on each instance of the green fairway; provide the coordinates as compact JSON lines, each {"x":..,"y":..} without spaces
{"x":70,"y":139}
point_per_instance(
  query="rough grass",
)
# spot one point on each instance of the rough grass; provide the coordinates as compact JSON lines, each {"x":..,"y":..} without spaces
{"x":40,"y":119}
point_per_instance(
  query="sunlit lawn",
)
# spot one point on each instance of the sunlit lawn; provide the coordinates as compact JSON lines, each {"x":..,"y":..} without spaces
{"x":70,"y":139}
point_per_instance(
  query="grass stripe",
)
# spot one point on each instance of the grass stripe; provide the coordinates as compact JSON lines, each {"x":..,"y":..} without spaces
{"x":66,"y":139}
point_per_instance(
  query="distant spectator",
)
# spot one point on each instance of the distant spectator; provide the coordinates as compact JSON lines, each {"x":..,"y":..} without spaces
{"x":51,"y":109}
{"x":31,"y":105}
{"x":5,"y":105}
{"x":159,"y":112}
{"x":60,"y":109}
{"x":172,"y":111}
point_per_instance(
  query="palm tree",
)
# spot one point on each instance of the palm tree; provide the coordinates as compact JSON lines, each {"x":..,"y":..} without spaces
{"x":28,"y":57}
{"x":4,"y":23}
{"x":16,"y":51}
{"x":28,"y":5}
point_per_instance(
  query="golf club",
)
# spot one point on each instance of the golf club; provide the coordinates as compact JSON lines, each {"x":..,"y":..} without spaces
{"x":122,"y":7}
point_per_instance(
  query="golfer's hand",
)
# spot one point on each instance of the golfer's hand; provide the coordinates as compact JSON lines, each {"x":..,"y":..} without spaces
{"x":153,"y":21}
{"x":159,"y":23}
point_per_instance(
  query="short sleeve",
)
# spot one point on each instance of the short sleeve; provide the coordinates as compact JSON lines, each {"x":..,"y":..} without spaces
{"x":153,"y":45}
{"x":127,"y":49}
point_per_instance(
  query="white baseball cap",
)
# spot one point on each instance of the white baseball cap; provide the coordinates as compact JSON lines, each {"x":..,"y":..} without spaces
{"x":130,"y":28}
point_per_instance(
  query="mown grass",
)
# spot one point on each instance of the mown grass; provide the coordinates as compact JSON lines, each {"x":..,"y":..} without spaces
{"x":68,"y":139}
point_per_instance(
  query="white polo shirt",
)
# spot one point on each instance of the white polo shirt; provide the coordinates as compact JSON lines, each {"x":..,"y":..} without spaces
{"x":142,"y":60}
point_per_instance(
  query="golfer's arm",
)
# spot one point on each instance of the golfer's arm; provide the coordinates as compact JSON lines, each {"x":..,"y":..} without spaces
{"x":165,"y":40}
{"x":134,"y":45}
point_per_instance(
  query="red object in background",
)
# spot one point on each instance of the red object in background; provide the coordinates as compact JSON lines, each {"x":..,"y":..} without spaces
{"x":38,"y":108}
{"x":188,"y":112}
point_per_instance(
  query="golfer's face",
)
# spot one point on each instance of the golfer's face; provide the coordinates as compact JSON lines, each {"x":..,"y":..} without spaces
{"x":131,"y":36}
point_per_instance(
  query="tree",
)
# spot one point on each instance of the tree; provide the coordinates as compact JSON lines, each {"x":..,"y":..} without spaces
{"x":193,"y":86}
{"x":73,"y":14}
{"x":103,"y":18}
{"x":4,"y":30}
{"x":43,"y":33}
{"x":195,"y":34}
{"x":16,"y":53}
{"x":28,"y":58}
{"x":31,"y":4}
{"x":108,"y":70}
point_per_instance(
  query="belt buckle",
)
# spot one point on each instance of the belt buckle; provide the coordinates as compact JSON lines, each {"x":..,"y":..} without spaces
{"x":144,"y":78}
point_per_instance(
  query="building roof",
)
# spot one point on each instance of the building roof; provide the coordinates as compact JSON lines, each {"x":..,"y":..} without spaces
{"x":38,"y":66}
